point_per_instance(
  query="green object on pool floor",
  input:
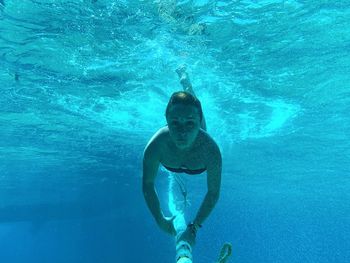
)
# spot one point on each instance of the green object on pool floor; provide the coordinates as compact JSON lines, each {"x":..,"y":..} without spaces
{"x":225,"y":253}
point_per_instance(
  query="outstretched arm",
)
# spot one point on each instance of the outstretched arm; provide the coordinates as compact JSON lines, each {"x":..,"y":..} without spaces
{"x":211,"y":198}
{"x":187,"y":86}
{"x":150,"y":169}
{"x":214,"y":168}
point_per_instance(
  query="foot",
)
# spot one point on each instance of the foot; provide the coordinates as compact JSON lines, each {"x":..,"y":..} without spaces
{"x":181,"y":70}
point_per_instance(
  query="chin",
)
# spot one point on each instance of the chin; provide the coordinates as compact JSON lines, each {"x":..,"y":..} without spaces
{"x":182,"y":146}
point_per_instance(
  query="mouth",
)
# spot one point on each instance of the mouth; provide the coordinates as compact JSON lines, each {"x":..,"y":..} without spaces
{"x":181,"y":143}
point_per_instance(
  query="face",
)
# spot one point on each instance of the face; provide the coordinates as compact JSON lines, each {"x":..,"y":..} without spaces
{"x":184,"y":124}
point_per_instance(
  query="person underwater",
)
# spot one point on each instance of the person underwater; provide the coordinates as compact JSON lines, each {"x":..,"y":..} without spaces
{"x":182,"y":146}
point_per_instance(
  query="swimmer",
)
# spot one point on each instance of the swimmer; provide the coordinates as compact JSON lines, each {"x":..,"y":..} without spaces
{"x":182,"y":146}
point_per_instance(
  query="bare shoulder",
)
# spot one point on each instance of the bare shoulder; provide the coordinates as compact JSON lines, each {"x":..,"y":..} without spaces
{"x":209,"y":147}
{"x":154,"y":145}
{"x":206,"y":141}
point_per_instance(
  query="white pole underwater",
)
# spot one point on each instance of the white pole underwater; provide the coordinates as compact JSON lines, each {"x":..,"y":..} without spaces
{"x":183,"y":248}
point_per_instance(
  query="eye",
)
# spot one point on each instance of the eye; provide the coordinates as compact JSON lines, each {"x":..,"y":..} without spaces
{"x":190,"y":123}
{"x":174,"y":123}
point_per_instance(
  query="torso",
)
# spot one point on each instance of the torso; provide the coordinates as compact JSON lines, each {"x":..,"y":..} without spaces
{"x":194,"y":159}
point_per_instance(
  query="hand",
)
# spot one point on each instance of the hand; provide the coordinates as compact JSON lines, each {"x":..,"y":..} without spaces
{"x":167,"y":225}
{"x":189,"y":236}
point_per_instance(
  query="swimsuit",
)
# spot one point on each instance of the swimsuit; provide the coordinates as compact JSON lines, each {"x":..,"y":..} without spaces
{"x":185,"y":170}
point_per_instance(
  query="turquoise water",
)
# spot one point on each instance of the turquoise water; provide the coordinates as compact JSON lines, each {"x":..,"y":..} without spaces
{"x":84,"y":85}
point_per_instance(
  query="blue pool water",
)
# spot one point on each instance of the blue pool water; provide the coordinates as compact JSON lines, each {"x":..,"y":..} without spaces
{"x":84,"y":85}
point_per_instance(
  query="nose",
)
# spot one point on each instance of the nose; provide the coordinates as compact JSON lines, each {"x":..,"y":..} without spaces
{"x":183,"y":131}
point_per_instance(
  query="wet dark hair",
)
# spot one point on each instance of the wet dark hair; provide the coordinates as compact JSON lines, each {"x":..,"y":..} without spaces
{"x":184,"y":98}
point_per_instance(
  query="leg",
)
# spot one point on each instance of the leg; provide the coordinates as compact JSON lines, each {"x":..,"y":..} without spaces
{"x":187,"y":86}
